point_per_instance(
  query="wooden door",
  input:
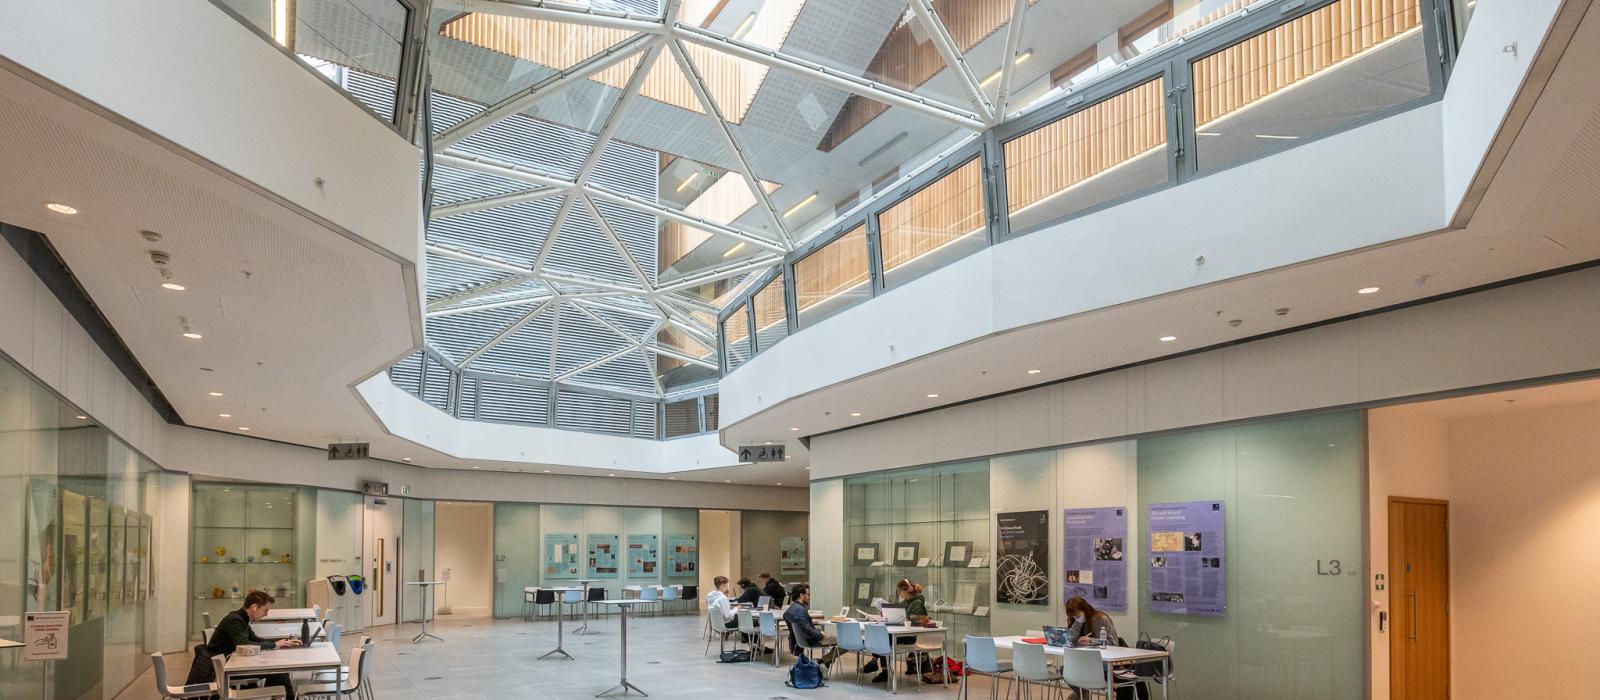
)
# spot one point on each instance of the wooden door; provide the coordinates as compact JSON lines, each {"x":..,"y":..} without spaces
{"x":1419,"y":599}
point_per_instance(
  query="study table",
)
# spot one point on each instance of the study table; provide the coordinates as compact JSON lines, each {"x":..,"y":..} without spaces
{"x":283,"y":630}
{"x":561,"y":617}
{"x":289,"y":615}
{"x":317,"y":657}
{"x":425,"y":587}
{"x":896,"y":632}
{"x":623,"y":684}
{"x":1109,"y":656}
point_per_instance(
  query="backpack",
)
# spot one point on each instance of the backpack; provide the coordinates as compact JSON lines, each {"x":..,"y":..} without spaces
{"x":805,"y":674}
{"x":734,"y":656}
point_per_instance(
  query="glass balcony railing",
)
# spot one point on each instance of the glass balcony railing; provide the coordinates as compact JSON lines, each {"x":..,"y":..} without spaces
{"x":378,"y":37}
{"x":1172,"y":99}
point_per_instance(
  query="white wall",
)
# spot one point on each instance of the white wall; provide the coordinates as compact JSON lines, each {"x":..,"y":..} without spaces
{"x":761,"y":534}
{"x":825,"y":547}
{"x":464,"y":554}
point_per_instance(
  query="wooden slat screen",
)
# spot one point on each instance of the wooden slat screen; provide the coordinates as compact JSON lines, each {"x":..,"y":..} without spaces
{"x":1088,"y":142}
{"x":735,"y":331}
{"x":677,"y":241}
{"x":945,"y":211}
{"x":1242,"y":74}
{"x":832,"y":269}
{"x":768,"y":304}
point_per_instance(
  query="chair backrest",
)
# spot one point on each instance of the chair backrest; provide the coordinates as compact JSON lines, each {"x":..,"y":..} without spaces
{"x":648,"y":593}
{"x":572,"y":597}
{"x":544,"y":597}
{"x":528,"y":596}
{"x":334,"y":631}
{"x":691,"y":592}
{"x":1083,"y":668}
{"x":217,"y":662}
{"x":596,"y":594}
{"x":769,"y":624}
{"x":316,"y":612}
{"x":205,"y":635}
{"x":747,"y":623}
{"x":849,"y":634}
{"x":981,"y":655}
{"x":1029,"y":663}
{"x":671,"y":593}
{"x":158,"y":663}
{"x":205,"y":618}
{"x":878,"y":641}
{"x":359,"y":658}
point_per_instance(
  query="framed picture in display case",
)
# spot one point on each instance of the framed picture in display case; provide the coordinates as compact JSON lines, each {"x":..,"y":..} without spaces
{"x":863,"y":592}
{"x":957,"y":553}
{"x":905,"y":553}
{"x":866,"y":553}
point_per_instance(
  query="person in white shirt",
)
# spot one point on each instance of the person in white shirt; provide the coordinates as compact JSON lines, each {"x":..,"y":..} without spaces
{"x":717,"y":603}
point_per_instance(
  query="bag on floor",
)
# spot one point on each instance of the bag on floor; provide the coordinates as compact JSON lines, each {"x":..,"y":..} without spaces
{"x":805,"y":674}
{"x":735,"y":656}
{"x":941,"y":665}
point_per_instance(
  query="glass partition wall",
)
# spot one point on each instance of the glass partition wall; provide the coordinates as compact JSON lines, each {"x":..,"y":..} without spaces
{"x":1247,"y":79}
{"x":78,"y":507}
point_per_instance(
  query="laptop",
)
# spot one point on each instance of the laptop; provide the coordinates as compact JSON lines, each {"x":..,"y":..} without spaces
{"x":893,"y":614}
{"x":764,"y":602}
{"x":1058,"y":636}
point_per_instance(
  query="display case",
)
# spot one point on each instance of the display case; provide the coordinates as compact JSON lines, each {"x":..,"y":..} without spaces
{"x":929,"y":525}
{"x":243,"y":539}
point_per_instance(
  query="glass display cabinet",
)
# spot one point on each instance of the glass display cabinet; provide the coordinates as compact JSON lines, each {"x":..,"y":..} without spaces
{"x":929,"y":525}
{"x":243,"y":539}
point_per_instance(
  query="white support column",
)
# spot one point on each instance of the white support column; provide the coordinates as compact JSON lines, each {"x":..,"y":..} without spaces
{"x":703,"y":94}
{"x":953,"y":58}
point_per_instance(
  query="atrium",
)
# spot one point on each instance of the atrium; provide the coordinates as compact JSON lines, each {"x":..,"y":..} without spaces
{"x":396,"y":349}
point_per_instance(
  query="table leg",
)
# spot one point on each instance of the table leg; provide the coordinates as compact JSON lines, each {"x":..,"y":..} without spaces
{"x":1166,"y":674}
{"x":425,"y":607}
{"x":624,"y":685}
{"x":560,"y":617}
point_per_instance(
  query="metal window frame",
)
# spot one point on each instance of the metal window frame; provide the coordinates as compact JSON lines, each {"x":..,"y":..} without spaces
{"x":974,"y":151}
{"x":831,"y":235}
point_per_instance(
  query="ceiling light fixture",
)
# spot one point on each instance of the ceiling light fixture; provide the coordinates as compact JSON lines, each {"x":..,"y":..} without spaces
{"x":727,"y":481}
{"x":83,"y":418}
{"x":547,"y":471}
{"x":174,"y":286}
{"x":245,"y":428}
{"x":795,"y":430}
{"x":736,"y":248}
{"x":744,"y":26}
{"x":780,"y":483}
{"x":855,"y":414}
{"x":1277,"y":137}
{"x":224,"y":415}
{"x":1168,"y":338}
{"x":1022,"y":57}
{"x":688,"y":181}
{"x":188,"y":331}
{"x":405,"y":459}
{"x":477,"y":467}
{"x":1368,"y":290}
{"x":611,"y":475}
{"x":801,"y":205}
{"x":933,"y":396}
{"x":60,"y":208}
{"x":216,"y":393}
{"x":1035,"y":371}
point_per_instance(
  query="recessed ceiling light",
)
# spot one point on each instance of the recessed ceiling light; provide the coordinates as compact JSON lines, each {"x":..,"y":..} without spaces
{"x":244,"y":428}
{"x":744,"y":26}
{"x":933,"y":396}
{"x":174,"y":286}
{"x":687,"y":181}
{"x":83,"y":418}
{"x":1369,"y":290}
{"x":1035,"y":371}
{"x":1279,"y":137}
{"x":224,"y":415}
{"x":855,"y":414}
{"x":792,"y":210}
{"x":736,"y":248}
{"x":611,"y":475}
{"x":405,"y":459}
{"x":808,"y":468}
{"x":1168,"y":338}
{"x":215,"y":393}
{"x":727,"y":481}
{"x":780,"y":483}
{"x":673,"y":478}
{"x":769,"y":442}
{"x":547,"y":471}
{"x":60,"y":208}
{"x":795,"y":429}
{"x":192,"y":335}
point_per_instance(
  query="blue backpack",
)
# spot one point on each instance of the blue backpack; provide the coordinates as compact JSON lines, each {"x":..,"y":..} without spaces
{"x":805,"y":675}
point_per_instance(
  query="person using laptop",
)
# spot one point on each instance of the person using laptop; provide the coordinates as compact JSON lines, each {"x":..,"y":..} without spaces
{"x":910,"y":595}
{"x":772,"y":587}
{"x":718,"y":607}
{"x":234,"y":630}
{"x":798,"y":615}
{"x":749,"y":592}
{"x":1087,"y":623}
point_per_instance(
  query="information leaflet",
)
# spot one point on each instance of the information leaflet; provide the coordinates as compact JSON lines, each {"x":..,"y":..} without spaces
{"x":1187,"y":558}
{"x":1096,"y":567}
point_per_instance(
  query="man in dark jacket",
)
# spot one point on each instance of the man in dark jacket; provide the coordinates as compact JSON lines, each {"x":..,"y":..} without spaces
{"x":802,"y":628}
{"x":749,"y":593}
{"x":235,"y":630}
{"x":772,"y":588}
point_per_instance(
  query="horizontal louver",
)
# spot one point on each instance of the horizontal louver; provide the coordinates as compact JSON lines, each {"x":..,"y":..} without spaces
{"x":711,"y":411}
{"x":683,"y":418}
{"x":467,"y":397}
{"x":644,"y":419}
{"x":600,"y":414}
{"x":407,"y":374}
{"x":509,"y":402}
{"x":436,"y":384}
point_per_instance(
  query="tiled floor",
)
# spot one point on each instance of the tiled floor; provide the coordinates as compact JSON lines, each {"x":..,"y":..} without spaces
{"x":486,"y":658}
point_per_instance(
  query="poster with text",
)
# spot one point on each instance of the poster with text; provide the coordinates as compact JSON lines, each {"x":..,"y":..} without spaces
{"x":793,"y":555}
{"x":1187,"y":558}
{"x":683,"y":556}
{"x":602,"y":555}
{"x":561,"y":556}
{"x":643,"y":555}
{"x":1022,"y":564}
{"x":1094,"y":557}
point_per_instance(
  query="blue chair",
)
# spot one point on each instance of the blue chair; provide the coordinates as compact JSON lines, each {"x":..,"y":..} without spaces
{"x":768,"y":629}
{"x":982,"y":658}
{"x":880,"y":644}
{"x":669,"y":596}
{"x":572,"y":599}
{"x":651,"y":596}
{"x":850,"y":642}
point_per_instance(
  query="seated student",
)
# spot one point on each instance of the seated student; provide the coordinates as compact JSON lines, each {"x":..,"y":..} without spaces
{"x":1086,"y":624}
{"x":749,"y":593}
{"x":910,"y":595}
{"x":772,"y":588}
{"x":802,"y":628}
{"x":234,"y":630}
{"x":718,"y":607}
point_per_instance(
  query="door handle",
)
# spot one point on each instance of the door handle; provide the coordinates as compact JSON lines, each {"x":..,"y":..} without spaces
{"x":1414,"y":601}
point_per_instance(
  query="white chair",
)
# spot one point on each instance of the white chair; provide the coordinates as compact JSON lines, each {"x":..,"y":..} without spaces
{"x":528,"y":596}
{"x":177,"y":692}
{"x":881,"y":645}
{"x":226,"y":693}
{"x":354,"y":684}
{"x":1031,"y":668}
{"x":767,"y":628}
{"x":571,"y":599}
{"x":716,"y":628}
{"x":650,"y":595}
{"x":747,"y":628}
{"x":925,"y":646}
{"x":850,"y":642}
{"x":316,"y":613}
{"x":982,"y":658}
{"x":205,"y":635}
{"x":344,"y":671}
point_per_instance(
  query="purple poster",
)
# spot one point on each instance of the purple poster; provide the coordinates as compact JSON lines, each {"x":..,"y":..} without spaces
{"x":1093,"y":556}
{"x":1187,"y":558}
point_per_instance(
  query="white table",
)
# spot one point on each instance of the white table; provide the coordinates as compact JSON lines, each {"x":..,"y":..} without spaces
{"x":583,"y":610}
{"x":426,"y":586}
{"x":283,"y":630}
{"x":561,"y":617}
{"x":624,"y":685}
{"x":289,"y":615}
{"x":896,"y":631}
{"x":317,"y":657}
{"x":1109,"y":656}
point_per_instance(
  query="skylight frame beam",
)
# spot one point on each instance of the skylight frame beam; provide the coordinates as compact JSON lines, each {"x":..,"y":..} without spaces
{"x":527,"y":97}
{"x":507,"y":332}
{"x":560,"y":12}
{"x":869,"y":89}
{"x":953,"y":59}
{"x":536,"y":297}
{"x":617,"y":245}
{"x":720,"y":273}
{"x":1019,"y":11}
{"x":490,"y":202}
{"x":630,"y":90}
{"x":702,"y":93}
{"x":647,"y":207}
{"x":595,"y":363}
{"x":682,"y":357}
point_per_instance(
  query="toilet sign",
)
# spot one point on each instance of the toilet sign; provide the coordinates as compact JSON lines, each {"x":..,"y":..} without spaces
{"x":45,"y":634}
{"x":761,"y":453}
{"x":347,"y":450}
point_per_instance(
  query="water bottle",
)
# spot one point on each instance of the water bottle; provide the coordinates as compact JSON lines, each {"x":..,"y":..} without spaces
{"x":305,"y":632}
{"x":1102,"y":637}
